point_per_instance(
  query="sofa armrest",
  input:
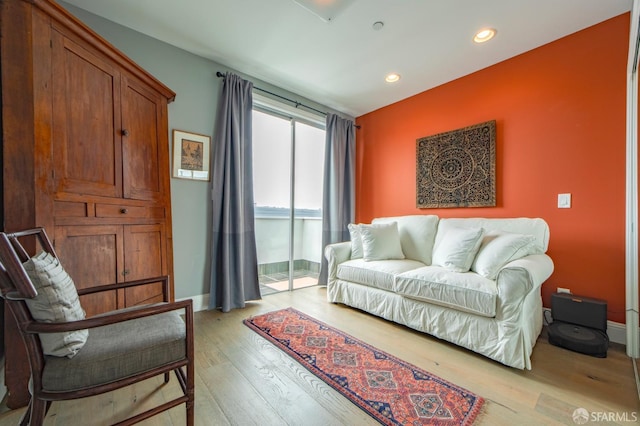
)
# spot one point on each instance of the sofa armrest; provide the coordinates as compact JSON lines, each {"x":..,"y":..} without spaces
{"x":336,"y":254}
{"x":518,"y":279}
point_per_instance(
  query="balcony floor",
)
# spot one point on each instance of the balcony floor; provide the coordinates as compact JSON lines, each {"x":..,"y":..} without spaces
{"x":277,"y":282}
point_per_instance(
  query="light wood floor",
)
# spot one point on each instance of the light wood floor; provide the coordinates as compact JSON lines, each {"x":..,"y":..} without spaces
{"x":243,"y":380}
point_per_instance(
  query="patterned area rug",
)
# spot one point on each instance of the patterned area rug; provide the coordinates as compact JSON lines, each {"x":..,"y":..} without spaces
{"x":389,"y":389}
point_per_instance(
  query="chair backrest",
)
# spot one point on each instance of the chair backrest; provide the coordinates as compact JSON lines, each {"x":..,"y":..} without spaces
{"x":13,"y":254}
{"x":15,"y":285}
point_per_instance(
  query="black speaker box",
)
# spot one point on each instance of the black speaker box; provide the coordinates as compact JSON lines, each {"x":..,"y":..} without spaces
{"x":579,"y":324}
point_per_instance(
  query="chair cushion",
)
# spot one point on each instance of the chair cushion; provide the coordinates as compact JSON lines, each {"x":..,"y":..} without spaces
{"x":468,"y":292}
{"x":57,"y":301}
{"x":119,"y":350}
{"x":377,"y":273}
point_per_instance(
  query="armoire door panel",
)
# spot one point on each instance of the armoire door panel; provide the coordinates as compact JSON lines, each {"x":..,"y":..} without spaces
{"x":140,"y":295}
{"x":141,"y":153}
{"x":86,"y":118}
{"x":93,"y":256}
{"x":95,"y":304}
{"x":145,"y":256}
{"x":144,"y":247}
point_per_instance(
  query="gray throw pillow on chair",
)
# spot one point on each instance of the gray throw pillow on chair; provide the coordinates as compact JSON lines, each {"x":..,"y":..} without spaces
{"x":57,"y":301}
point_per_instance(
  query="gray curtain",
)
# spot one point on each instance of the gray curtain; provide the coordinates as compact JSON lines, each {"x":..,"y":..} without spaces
{"x":339,"y":200}
{"x":234,"y":264}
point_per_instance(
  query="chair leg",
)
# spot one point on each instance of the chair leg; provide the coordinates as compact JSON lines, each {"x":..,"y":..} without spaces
{"x":166,"y":377}
{"x":191,"y":394}
{"x":39,"y":409}
{"x":26,"y":417}
{"x":190,"y":411}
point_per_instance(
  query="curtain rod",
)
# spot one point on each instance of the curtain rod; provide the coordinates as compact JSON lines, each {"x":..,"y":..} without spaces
{"x":296,"y":103}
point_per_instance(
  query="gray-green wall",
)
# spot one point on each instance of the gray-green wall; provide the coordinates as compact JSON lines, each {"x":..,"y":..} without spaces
{"x":197,"y":88}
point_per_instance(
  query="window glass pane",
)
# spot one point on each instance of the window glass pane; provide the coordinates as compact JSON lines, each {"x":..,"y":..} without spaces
{"x":309,"y":167}
{"x":271,"y":161}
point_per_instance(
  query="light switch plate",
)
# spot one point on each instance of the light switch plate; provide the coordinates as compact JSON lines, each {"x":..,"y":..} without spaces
{"x":564,"y":201}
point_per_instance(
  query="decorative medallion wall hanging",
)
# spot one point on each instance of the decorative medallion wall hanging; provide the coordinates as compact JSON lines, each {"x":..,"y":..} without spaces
{"x":457,"y":168}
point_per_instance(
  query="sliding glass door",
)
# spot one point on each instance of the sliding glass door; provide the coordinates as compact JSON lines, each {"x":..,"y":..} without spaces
{"x":288,"y":158}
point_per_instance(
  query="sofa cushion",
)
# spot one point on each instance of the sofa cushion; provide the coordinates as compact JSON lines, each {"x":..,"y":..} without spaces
{"x":458,"y":248}
{"x":377,"y":273}
{"x":356,"y":241}
{"x":417,"y":234}
{"x":381,"y":241}
{"x":468,"y":292}
{"x":499,"y":248}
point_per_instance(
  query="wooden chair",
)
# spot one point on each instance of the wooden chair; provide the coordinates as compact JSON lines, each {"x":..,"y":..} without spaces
{"x":130,"y":345}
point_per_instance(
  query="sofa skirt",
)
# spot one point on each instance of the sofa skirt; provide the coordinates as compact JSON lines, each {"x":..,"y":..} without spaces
{"x":509,"y":342}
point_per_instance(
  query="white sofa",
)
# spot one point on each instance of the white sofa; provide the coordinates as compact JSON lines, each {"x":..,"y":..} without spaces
{"x":494,"y":308}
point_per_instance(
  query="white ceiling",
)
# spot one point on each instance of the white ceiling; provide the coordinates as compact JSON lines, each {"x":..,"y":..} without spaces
{"x":342,"y":63}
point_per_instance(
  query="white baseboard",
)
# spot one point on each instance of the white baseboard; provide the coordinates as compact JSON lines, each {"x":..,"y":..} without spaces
{"x":200,"y":302}
{"x":616,"y":331}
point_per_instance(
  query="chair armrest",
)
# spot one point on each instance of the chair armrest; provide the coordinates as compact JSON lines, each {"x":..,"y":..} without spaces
{"x":336,"y":254}
{"x":111,"y":317}
{"x":164,"y":279}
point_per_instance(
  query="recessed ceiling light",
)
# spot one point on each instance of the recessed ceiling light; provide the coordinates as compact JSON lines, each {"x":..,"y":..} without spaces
{"x":484,"y":34}
{"x":378,"y":25}
{"x":392,"y":78}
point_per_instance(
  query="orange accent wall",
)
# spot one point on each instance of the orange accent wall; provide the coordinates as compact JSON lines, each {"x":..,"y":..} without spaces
{"x":560,"y":111}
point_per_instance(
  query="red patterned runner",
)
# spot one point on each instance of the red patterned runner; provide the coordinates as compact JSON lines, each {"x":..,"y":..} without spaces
{"x":387,"y":388}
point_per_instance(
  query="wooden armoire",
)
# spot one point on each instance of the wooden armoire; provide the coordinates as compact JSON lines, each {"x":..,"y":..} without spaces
{"x":85,"y":154}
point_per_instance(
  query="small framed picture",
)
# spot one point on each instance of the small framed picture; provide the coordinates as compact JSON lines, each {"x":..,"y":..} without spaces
{"x":191,"y":155}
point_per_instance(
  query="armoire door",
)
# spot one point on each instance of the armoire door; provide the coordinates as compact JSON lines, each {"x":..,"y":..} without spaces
{"x":86,"y":121}
{"x":96,"y":255}
{"x":145,"y":256}
{"x":143,"y":156}
{"x":93,"y":255}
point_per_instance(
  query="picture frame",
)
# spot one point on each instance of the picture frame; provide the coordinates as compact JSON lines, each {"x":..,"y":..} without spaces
{"x":191,"y":155}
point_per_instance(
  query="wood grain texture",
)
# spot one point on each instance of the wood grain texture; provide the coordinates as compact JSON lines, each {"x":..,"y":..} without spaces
{"x":241,"y":379}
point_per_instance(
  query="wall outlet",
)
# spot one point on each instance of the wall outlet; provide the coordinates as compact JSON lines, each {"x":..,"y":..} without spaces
{"x":563,"y":290}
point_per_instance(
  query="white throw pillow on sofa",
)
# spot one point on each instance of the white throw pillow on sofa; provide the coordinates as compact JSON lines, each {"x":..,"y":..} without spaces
{"x":381,"y":241}
{"x":499,"y":248}
{"x":417,"y":235}
{"x":458,"y":248}
{"x":356,"y":241}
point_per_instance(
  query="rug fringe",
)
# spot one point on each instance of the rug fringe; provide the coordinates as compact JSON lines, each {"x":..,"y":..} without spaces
{"x":479,"y":414}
